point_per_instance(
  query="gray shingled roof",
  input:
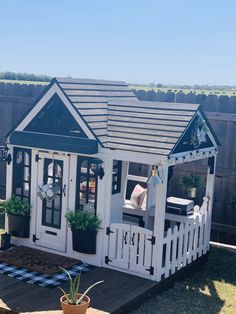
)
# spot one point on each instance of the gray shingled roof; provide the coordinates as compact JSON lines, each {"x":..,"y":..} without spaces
{"x":120,"y":121}
{"x":90,"y":97}
{"x":146,"y":126}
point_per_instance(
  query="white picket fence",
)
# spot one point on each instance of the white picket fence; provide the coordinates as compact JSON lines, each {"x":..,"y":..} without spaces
{"x":132,"y":248}
{"x":185,"y":242}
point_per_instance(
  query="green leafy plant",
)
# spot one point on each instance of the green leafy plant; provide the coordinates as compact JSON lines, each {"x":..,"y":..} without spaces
{"x":16,"y":206}
{"x":82,"y":220}
{"x":191,"y":181}
{"x":72,"y":296}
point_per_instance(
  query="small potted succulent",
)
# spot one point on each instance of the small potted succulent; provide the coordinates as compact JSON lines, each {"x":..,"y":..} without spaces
{"x":84,"y":226}
{"x":18,"y":212}
{"x":190,"y":183}
{"x":75,"y":302}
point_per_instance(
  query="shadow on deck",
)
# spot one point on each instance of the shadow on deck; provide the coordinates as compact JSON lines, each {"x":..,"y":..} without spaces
{"x":119,"y":293}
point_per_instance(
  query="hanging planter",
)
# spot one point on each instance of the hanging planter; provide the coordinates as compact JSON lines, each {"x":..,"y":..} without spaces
{"x":48,"y":191}
{"x":84,"y":226}
{"x":18,"y":212}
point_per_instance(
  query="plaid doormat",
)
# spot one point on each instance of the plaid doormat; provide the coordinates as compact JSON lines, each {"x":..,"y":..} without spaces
{"x":40,"y":279}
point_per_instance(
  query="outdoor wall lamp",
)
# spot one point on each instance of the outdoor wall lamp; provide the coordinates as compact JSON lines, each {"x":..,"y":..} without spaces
{"x":154,"y":178}
{"x":96,"y":167}
{"x":4,"y":155}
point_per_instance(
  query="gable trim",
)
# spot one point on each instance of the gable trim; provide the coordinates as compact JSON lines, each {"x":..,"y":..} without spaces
{"x":55,"y":89}
{"x":213,"y":138}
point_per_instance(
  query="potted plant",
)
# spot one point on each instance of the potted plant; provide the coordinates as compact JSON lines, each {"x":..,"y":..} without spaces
{"x":75,"y":302}
{"x":18,"y":212}
{"x":84,"y":226}
{"x":190,"y":183}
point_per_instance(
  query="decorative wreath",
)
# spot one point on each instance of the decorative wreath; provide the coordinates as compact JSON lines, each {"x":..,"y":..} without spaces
{"x":48,"y":191}
{"x":199,"y":134}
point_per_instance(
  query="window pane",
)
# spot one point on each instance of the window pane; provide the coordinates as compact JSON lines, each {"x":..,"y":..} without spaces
{"x":84,"y":166}
{"x":82,"y":198}
{"x":56,"y":219}
{"x":116,"y":176}
{"x":48,"y":204}
{"x":83,"y":183}
{"x":50,"y":169}
{"x":48,"y":216}
{"x":19,"y":157}
{"x":138,"y":169}
{"x":27,"y":159}
{"x":58,"y":172}
{"x":26,"y":173}
{"x":18,"y":190}
{"x":92,"y":185}
{"x":57,"y":202}
{"x":26,"y":189}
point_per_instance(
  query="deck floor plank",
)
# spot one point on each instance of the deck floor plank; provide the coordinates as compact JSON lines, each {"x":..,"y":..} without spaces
{"x":117,"y":290}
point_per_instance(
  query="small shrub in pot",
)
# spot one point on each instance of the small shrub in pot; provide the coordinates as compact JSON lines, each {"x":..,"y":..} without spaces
{"x":18,"y":212}
{"x":84,"y":226}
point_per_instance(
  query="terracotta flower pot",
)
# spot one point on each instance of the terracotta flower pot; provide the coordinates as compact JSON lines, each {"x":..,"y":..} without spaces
{"x":75,"y":309}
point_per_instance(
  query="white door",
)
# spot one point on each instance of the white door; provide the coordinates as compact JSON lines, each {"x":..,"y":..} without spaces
{"x":141,"y":250}
{"x":50,"y":219}
{"x":119,"y":242}
{"x":131,"y":248}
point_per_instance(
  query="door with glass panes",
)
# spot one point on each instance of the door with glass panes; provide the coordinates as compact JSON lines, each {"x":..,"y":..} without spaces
{"x":52,"y":200}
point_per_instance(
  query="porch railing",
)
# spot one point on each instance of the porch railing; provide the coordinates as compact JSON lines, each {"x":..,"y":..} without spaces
{"x":186,"y":241}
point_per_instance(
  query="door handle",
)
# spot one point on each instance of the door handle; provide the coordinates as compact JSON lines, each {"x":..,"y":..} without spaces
{"x":132,"y":240}
{"x":64,"y":190}
{"x":125,"y":237}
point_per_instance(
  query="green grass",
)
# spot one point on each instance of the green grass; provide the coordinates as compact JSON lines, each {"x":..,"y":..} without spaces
{"x":146,"y":88}
{"x":212,"y":290}
{"x":186,"y":91}
{"x":23,"y":82}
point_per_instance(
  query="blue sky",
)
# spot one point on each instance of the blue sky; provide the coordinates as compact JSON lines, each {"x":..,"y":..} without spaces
{"x":168,"y":41}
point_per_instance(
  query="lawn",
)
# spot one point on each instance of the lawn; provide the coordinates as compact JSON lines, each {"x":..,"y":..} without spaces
{"x":23,"y":82}
{"x":212,"y":290}
{"x":185,"y":91}
{"x":146,"y":88}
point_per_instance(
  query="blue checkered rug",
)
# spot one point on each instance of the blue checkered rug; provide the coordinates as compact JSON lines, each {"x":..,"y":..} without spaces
{"x":40,"y":279}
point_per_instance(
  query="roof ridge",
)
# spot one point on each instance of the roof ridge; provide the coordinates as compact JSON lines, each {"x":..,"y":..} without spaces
{"x":73,"y":80}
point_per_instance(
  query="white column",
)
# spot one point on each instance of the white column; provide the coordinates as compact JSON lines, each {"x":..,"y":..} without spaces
{"x":210,"y":194}
{"x":108,"y":166}
{"x":9,"y":180}
{"x":159,"y":221}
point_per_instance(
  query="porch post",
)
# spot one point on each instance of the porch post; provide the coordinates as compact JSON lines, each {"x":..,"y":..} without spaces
{"x":210,"y":192}
{"x":159,"y":220}
{"x":108,"y":166}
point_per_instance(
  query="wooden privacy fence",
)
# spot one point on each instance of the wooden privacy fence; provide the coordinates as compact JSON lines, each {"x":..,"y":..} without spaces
{"x":186,"y":241}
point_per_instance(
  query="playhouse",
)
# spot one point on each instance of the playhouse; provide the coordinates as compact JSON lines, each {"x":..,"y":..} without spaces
{"x":78,"y":125}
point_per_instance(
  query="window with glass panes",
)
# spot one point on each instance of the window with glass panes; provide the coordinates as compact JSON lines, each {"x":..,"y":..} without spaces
{"x":116,"y":176}
{"x":86,"y":187}
{"x":21,"y":173}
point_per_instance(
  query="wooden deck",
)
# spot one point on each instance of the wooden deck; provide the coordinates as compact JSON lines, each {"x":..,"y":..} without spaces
{"x":118,"y":291}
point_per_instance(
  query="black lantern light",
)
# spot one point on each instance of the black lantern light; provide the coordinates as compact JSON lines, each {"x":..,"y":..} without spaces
{"x":96,"y":167}
{"x":4,"y":155}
